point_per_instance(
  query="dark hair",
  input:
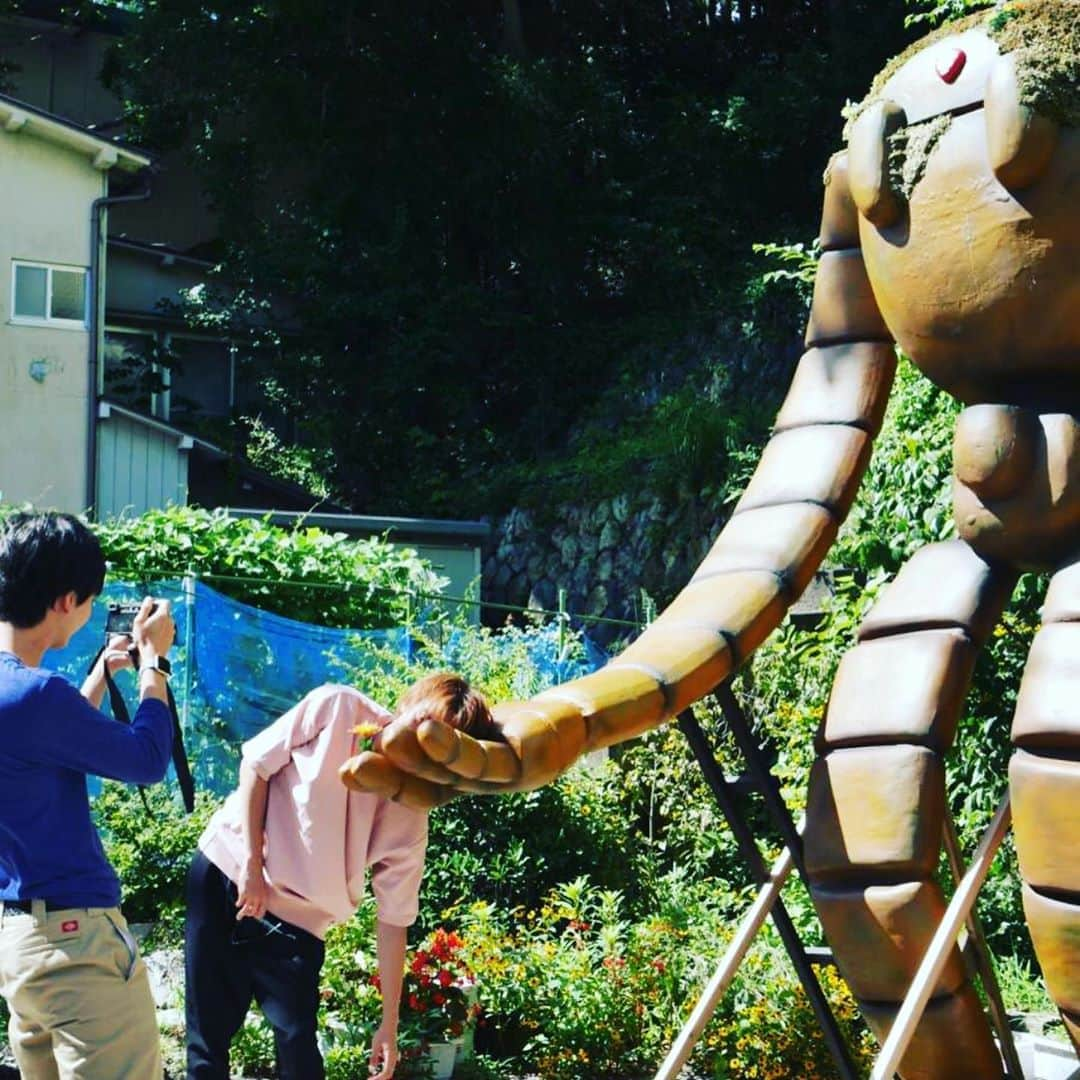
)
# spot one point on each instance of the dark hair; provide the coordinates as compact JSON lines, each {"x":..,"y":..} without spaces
{"x":44,"y":557}
{"x":448,"y":697}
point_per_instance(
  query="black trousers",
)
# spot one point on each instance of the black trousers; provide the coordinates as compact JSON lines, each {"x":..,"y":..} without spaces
{"x":229,"y":963}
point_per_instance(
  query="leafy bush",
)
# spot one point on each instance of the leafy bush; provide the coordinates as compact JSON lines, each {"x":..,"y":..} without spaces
{"x":304,"y":573}
{"x":575,"y":990}
{"x":765,"y":1028}
{"x":252,"y":1050}
{"x":151,"y":851}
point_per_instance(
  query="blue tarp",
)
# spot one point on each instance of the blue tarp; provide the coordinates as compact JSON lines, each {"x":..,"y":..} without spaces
{"x":239,"y":667}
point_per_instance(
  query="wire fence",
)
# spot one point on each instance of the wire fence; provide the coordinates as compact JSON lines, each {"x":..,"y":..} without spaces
{"x":238,"y":667}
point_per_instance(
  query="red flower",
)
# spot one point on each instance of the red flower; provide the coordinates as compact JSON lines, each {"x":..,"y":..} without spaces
{"x":439,"y":999}
{"x":414,"y":1002}
{"x":445,"y":978}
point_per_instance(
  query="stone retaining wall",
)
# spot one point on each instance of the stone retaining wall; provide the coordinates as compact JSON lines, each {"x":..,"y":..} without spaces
{"x":605,"y":556}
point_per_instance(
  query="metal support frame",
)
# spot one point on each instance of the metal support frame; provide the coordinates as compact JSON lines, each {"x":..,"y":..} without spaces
{"x":744,"y":838}
{"x":767,"y":784}
{"x":768,"y":894}
{"x":937,"y":952}
{"x":959,"y":915}
{"x":981,"y":958}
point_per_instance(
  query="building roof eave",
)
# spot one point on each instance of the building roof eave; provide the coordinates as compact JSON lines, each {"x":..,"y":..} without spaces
{"x":19,"y":118}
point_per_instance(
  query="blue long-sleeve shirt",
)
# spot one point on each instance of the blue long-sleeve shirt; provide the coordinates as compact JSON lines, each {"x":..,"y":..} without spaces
{"x":51,"y":737}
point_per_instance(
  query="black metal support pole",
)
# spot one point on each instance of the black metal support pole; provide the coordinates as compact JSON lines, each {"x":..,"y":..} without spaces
{"x":744,"y":838}
{"x":766,"y":783}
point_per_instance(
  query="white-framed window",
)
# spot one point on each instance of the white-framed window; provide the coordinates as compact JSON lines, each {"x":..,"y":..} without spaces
{"x":49,"y":295}
{"x":132,"y":374}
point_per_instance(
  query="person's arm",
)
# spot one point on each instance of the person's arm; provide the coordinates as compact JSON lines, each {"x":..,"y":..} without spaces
{"x":251,"y":884}
{"x":153,"y":632}
{"x":117,"y":656}
{"x":390,"y":949}
{"x":68,"y":731}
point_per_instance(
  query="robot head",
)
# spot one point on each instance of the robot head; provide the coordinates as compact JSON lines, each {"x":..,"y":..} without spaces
{"x":964,"y":163}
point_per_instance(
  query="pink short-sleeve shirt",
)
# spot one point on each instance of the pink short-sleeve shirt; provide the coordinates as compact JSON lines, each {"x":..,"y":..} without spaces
{"x":320,"y":837}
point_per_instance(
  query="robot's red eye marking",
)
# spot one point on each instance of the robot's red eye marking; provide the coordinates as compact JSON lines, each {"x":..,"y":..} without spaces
{"x":949,"y":71}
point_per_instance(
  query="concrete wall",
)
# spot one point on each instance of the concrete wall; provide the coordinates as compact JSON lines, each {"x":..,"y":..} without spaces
{"x":46,"y":193}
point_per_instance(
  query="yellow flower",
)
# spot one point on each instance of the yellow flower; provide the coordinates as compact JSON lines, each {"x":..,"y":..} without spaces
{"x":365,"y":735}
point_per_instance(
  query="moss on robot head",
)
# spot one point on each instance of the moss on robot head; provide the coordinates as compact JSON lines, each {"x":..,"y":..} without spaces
{"x":1044,"y":34}
{"x":910,"y":148}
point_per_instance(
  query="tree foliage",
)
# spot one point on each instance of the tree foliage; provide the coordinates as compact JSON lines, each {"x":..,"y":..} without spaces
{"x":479,"y":216}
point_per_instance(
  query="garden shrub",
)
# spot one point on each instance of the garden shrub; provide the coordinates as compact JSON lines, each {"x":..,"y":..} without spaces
{"x":574,"y":990}
{"x":765,"y":1028}
{"x":252,"y":1050}
{"x":304,"y":573}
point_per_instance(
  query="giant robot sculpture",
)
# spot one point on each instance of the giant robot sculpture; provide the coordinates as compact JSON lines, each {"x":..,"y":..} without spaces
{"x":951,"y":226}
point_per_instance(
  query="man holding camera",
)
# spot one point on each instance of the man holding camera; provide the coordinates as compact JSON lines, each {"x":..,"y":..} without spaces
{"x":78,"y":992}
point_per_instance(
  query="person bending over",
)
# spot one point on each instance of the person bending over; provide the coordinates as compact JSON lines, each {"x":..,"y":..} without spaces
{"x":284,"y":859}
{"x":76,"y":987}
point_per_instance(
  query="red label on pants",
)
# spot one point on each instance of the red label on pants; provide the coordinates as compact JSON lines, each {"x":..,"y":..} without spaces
{"x":69,"y":926}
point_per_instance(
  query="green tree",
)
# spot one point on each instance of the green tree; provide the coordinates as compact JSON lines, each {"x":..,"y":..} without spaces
{"x":480,"y":216}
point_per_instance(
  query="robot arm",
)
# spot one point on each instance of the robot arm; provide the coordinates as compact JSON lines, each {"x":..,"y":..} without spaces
{"x":767,"y":553}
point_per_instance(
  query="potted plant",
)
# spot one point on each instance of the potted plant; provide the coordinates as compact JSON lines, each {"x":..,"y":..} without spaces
{"x":437,"y":999}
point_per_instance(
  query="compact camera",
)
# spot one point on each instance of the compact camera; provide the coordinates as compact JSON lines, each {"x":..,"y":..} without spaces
{"x":121,"y":617}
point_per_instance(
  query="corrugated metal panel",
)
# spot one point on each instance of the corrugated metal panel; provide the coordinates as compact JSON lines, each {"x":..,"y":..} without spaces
{"x":139,"y":468}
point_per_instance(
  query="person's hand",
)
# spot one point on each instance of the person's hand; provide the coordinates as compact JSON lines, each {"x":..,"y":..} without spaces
{"x":384,"y":1053}
{"x":117,"y":654}
{"x":153,"y":629}
{"x":251,"y":891}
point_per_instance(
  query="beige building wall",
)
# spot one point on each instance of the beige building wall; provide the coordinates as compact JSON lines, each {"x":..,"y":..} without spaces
{"x":59,"y":70}
{"x":46,"y":192}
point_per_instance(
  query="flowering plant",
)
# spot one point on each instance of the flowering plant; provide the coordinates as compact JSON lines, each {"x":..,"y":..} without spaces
{"x":365,"y":736}
{"x":437,"y":995}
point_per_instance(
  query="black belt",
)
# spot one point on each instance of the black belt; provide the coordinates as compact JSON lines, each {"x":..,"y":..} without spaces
{"x":28,"y":905}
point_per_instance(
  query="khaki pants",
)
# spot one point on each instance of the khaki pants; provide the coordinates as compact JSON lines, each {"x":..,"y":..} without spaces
{"x":79,"y":996}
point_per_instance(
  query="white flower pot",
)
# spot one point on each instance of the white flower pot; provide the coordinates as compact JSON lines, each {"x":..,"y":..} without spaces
{"x":441,"y":1056}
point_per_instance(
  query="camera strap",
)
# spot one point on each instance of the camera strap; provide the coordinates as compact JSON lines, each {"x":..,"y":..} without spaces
{"x":179,"y":754}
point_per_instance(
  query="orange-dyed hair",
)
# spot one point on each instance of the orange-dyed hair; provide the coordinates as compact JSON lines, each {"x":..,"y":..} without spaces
{"x":448,"y":697}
